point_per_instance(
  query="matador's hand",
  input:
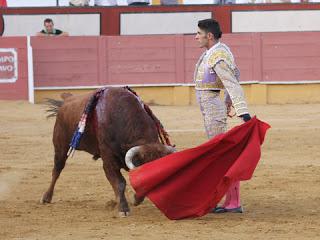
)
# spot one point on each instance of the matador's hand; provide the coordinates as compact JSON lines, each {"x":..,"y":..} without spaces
{"x":246,"y":117}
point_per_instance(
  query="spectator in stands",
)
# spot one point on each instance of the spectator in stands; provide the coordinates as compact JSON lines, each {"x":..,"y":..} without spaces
{"x":169,"y":2}
{"x":79,"y":3}
{"x":138,"y":2}
{"x":105,"y":2}
{"x":50,"y":30}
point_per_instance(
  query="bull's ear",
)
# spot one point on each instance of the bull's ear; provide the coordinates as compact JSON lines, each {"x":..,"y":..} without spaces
{"x":64,"y":96}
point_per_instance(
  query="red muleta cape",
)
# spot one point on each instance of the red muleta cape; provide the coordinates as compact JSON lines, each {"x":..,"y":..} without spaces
{"x":191,"y":182}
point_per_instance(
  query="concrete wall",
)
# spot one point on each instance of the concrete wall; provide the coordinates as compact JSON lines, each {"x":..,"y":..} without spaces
{"x":233,"y":18}
{"x":29,"y":24}
{"x":276,"y":21}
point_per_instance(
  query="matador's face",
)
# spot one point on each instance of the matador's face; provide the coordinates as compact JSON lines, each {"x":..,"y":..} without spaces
{"x":203,"y":38}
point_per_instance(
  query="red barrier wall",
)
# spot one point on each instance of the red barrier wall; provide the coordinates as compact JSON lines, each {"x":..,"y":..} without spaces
{"x":67,"y":61}
{"x":17,"y":90}
{"x":96,"y":61}
{"x":82,"y":61}
{"x":151,"y":60}
{"x":290,"y":56}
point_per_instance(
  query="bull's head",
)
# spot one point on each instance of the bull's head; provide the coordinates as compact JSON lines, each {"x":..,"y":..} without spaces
{"x":139,"y":155}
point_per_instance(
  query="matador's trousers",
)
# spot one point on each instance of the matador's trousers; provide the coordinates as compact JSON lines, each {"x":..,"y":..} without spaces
{"x":214,"y":113}
{"x":213,"y":110}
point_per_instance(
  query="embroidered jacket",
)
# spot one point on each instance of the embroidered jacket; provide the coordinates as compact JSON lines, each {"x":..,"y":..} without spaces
{"x":216,"y":70}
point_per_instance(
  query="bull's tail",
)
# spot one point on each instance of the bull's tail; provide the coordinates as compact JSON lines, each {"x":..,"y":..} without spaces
{"x":53,"y":107}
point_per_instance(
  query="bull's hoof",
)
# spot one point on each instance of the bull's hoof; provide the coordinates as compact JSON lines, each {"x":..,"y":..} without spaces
{"x":46,"y":198}
{"x":124,"y":214}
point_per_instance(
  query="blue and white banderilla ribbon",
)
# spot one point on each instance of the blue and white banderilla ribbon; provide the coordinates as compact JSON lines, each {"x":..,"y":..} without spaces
{"x":75,"y":142}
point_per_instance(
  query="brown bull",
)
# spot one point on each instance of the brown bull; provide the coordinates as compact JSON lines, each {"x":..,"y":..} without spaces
{"x":119,"y":130}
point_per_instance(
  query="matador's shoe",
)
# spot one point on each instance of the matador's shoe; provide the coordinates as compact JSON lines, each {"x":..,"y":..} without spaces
{"x":225,"y":210}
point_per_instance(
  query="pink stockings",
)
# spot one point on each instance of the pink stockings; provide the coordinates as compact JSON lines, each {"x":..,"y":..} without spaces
{"x":232,"y":196}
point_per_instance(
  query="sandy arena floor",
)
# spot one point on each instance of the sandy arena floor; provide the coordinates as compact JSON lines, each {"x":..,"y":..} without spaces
{"x":282,"y":201}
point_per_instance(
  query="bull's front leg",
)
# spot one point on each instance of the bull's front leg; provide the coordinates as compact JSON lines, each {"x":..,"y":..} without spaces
{"x":118,"y":184}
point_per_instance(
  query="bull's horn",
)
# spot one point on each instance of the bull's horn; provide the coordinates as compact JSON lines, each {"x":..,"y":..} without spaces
{"x":129,"y":155}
